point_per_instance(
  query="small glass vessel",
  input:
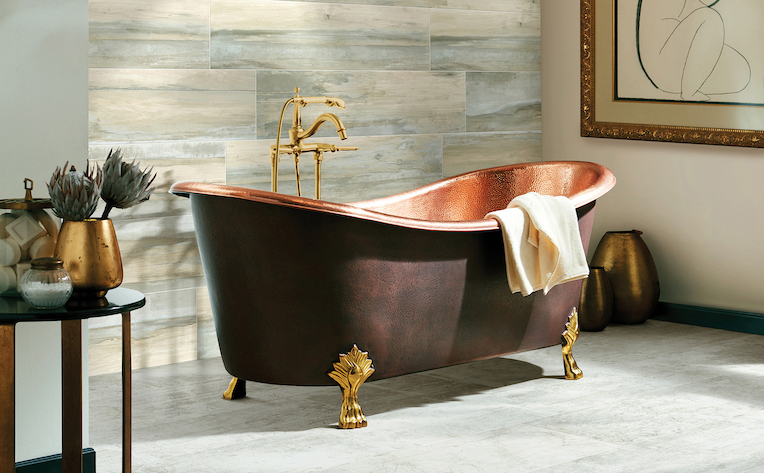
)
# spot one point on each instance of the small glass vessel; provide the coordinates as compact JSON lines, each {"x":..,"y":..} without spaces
{"x":47,"y":284}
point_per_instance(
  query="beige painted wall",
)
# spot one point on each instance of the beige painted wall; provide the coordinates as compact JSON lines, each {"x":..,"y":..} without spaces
{"x":43,"y":123}
{"x":700,"y":207}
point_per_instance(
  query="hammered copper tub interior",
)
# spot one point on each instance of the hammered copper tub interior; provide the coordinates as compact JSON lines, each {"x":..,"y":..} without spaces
{"x":416,"y":279}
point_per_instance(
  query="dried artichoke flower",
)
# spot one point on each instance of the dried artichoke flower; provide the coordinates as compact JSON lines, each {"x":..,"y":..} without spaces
{"x":124,"y":183}
{"x":75,"y":194}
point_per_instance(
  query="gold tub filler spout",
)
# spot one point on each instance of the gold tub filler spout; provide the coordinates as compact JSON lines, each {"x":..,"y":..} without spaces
{"x":297,"y":135}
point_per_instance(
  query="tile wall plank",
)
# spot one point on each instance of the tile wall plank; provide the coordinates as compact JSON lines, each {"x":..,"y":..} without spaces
{"x":391,"y":3}
{"x":317,"y":36}
{"x":206,"y":338}
{"x":485,"y":41}
{"x":152,"y":345}
{"x":158,"y":248}
{"x":172,"y":161}
{"x":136,"y":33}
{"x":472,"y":151}
{"x":248,"y":165}
{"x":167,"y":284}
{"x":503,"y":101}
{"x":163,"y":332}
{"x":533,"y":6}
{"x":377,"y":102}
{"x":384,"y":165}
{"x":191,"y":105}
{"x":487,"y":5}
{"x":184,"y":80}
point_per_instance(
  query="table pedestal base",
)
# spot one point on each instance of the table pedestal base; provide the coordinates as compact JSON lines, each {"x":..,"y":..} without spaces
{"x":7,"y":397}
{"x":71,"y":395}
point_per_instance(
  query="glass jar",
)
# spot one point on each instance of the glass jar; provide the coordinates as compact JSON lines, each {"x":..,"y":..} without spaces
{"x":47,"y":284}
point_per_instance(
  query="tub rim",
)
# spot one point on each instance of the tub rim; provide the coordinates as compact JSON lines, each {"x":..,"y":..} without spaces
{"x":605,"y":181}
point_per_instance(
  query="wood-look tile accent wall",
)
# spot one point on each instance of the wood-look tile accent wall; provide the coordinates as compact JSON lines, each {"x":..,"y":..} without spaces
{"x":193,"y":88}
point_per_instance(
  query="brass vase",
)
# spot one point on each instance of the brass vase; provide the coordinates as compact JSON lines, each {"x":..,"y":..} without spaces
{"x":90,"y":253}
{"x":595,"y":311}
{"x":632,"y":275}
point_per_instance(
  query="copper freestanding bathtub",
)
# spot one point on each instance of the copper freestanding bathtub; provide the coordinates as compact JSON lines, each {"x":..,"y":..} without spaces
{"x":417,"y":279}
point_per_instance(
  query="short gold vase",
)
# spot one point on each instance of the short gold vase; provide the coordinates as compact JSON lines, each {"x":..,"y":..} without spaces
{"x":632,"y":275}
{"x":595,"y":311}
{"x":90,"y":253}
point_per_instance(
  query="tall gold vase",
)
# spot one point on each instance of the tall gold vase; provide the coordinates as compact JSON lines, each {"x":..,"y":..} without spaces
{"x":90,"y":253}
{"x":595,"y":311}
{"x":632,"y":275}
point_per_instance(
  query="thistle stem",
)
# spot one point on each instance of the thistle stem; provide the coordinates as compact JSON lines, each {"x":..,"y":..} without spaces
{"x":106,"y":211}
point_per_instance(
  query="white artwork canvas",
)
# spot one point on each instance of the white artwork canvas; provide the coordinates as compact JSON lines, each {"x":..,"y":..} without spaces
{"x":700,"y":51}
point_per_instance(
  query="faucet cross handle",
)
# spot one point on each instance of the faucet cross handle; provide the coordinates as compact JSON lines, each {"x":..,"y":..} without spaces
{"x":329,"y":101}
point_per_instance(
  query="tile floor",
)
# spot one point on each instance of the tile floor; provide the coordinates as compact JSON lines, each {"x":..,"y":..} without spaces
{"x":658,"y":397}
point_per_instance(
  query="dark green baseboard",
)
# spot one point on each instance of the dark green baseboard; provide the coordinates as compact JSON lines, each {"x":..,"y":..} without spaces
{"x":746,"y":322}
{"x":52,"y":464}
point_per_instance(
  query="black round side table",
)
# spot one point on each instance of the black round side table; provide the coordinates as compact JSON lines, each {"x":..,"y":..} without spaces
{"x":14,"y":310}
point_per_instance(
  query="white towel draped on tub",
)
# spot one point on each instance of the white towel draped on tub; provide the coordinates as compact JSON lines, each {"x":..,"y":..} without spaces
{"x":542,"y":243}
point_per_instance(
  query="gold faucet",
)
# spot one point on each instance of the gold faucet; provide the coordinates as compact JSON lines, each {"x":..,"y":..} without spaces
{"x":297,"y":135}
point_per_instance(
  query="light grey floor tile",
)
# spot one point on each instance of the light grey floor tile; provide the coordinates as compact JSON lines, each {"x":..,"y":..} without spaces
{"x":717,"y":447}
{"x":519,"y":448}
{"x":657,"y":397}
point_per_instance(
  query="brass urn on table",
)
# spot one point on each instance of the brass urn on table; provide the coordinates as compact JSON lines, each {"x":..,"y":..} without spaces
{"x":631,"y":273}
{"x":88,"y":246}
{"x":91,"y":254}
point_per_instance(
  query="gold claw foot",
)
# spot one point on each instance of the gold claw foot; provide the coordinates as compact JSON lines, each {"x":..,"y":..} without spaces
{"x":352,"y":370}
{"x":569,"y":337}
{"x":237,"y":389}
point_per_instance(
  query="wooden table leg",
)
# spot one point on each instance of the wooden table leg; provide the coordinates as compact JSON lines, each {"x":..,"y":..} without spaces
{"x":7,"y":398}
{"x":71,"y":383}
{"x":126,"y":395}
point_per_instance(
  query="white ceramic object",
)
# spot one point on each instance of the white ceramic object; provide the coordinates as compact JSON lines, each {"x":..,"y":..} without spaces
{"x":5,"y":219}
{"x":25,"y":230}
{"x":42,"y":247}
{"x":7,"y":279}
{"x":10,"y":252}
{"x":52,"y":224}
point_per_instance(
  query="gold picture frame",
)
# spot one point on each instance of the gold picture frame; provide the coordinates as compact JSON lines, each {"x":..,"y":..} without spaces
{"x":602,"y":116}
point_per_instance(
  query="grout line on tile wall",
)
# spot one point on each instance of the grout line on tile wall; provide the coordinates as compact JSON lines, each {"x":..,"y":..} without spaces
{"x":209,"y":37}
{"x":429,"y":39}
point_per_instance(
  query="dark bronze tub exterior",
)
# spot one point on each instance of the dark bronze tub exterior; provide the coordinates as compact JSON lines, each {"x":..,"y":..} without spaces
{"x":416,"y":279}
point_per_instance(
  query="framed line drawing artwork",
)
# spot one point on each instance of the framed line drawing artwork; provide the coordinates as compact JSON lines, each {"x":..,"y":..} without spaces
{"x":688,"y":71}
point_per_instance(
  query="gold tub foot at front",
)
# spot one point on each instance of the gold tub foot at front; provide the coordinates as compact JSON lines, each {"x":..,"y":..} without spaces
{"x":237,"y":389}
{"x":352,"y":370}
{"x":569,"y":337}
